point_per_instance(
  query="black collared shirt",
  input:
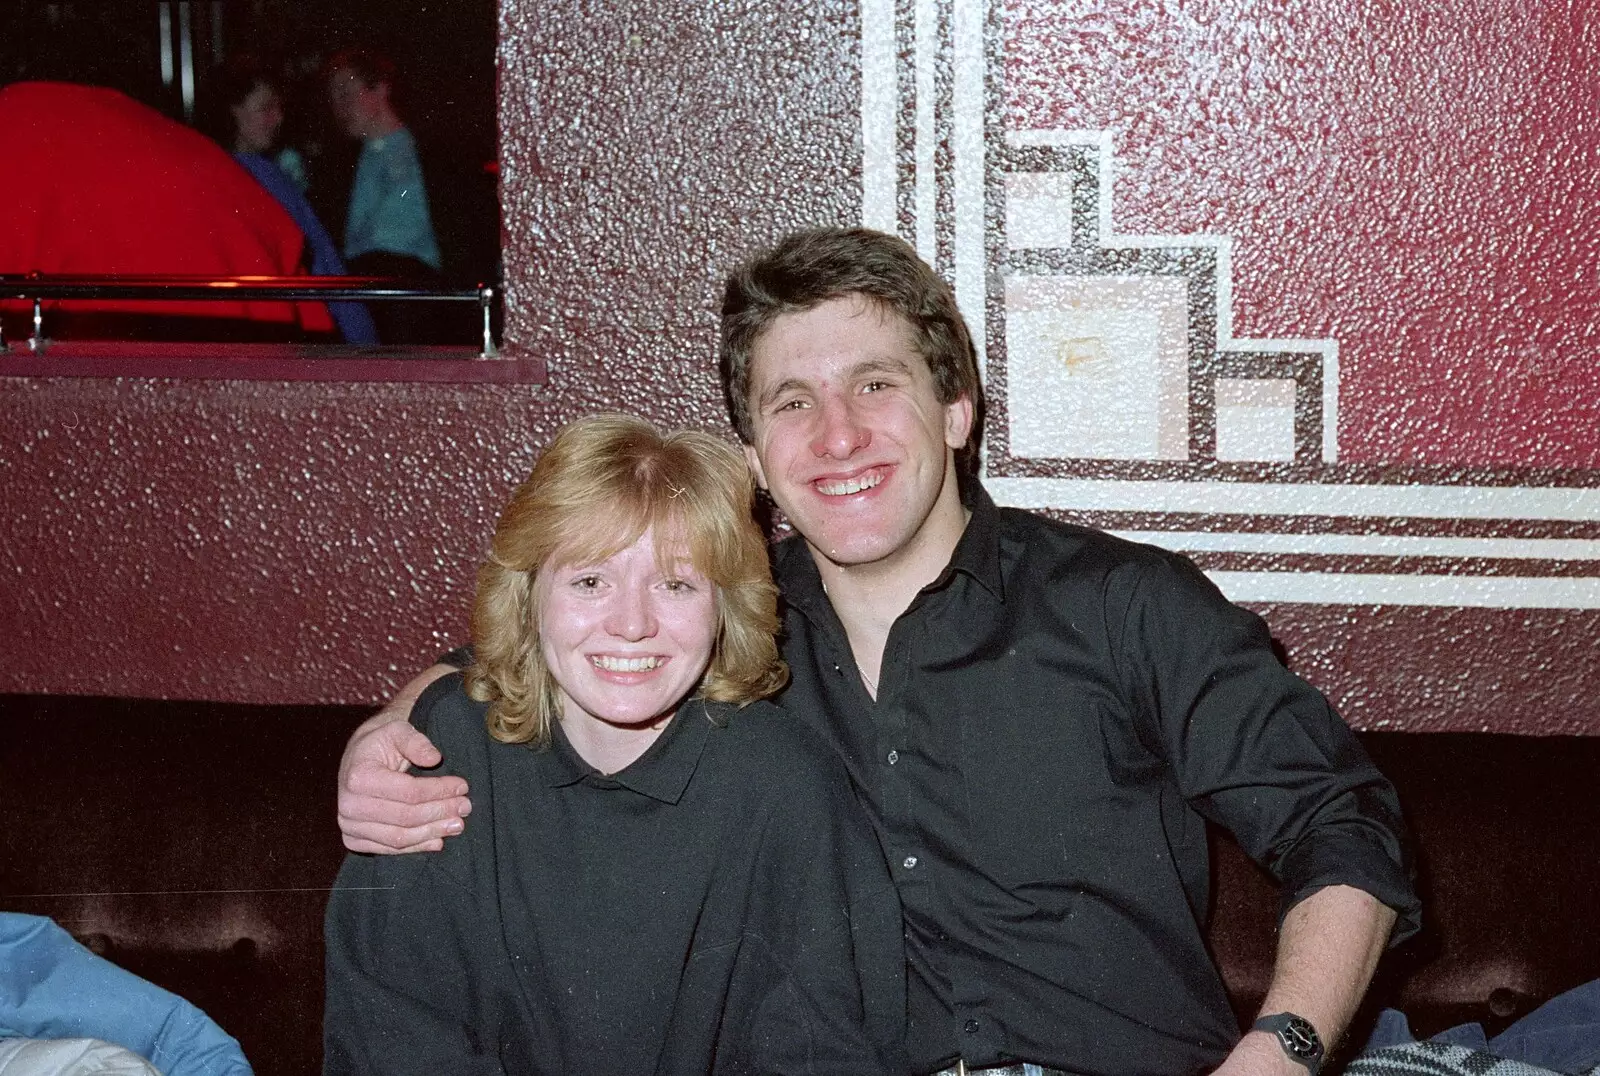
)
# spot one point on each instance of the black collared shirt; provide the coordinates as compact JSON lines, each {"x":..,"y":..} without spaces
{"x":720,"y":905}
{"x":1056,"y":717}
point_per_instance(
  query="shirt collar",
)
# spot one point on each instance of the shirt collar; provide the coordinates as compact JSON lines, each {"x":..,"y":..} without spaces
{"x":977,"y":555}
{"x":661,"y":773}
{"x":978,"y":552}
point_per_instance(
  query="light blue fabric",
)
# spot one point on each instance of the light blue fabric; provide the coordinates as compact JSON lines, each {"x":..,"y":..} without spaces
{"x":355,"y":324}
{"x":388,"y":204}
{"x":53,"y":988}
{"x":1561,"y":1034}
{"x":294,"y":166}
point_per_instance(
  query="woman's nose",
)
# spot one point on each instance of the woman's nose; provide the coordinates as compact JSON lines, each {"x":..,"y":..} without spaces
{"x":632,"y":618}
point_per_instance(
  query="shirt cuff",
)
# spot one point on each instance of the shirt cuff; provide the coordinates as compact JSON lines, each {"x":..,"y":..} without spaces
{"x":1356,"y":860}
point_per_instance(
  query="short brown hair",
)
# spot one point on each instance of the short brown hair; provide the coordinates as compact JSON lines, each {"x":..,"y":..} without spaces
{"x":812,"y":267}
{"x":600,"y":485}
{"x":373,"y":68}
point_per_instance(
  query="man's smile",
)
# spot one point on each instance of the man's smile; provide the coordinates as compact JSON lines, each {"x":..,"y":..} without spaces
{"x":844,"y":487}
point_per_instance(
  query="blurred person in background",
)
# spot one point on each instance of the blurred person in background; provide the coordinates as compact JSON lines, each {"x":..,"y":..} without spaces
{"x":244,"y":112}
{"x":388,"y":228}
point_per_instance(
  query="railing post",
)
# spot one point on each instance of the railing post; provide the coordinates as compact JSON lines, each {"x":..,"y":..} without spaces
{"x":485,"y":299}
{"x":37,"y":341}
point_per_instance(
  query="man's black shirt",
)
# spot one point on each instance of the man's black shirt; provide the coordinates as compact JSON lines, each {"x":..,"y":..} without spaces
{"x":720,"y":905}
{"x":1056,"y":717}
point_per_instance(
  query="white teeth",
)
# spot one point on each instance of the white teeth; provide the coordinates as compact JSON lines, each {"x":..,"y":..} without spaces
{"x":625,"y":665}
{"x":851,"y":485}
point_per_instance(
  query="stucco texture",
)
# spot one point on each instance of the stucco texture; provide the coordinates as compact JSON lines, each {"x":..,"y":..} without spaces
{"x":315,"y":542}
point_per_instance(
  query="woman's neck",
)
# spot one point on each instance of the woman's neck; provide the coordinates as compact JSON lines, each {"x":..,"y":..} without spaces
{"x":612,"y":748}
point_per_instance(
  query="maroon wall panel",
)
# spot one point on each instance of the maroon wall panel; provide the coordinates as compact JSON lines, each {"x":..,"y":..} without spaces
{"x":263,"y":541}
{"x":1419,"y":180}
{"x":306,"y":541}
{"x":1360,"y":243}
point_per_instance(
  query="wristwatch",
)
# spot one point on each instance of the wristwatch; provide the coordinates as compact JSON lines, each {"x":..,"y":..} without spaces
{"x":1297,"y":1037}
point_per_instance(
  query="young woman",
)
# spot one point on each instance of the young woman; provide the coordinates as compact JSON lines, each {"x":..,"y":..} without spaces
{"x":244,"y":112}
{"x":671,"y":876}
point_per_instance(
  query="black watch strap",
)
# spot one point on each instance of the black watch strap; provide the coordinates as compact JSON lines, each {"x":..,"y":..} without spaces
{"x":1297,"y":1037}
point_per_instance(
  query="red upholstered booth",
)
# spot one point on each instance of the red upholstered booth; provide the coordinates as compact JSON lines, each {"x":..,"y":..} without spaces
{"x":194,"y":843}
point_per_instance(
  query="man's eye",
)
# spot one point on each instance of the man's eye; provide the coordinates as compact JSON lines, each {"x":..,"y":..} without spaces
{"x":874,"y":386}
{"x":790,"y":405}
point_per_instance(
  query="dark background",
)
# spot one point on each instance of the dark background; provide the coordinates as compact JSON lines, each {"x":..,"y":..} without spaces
{"x":445,"y":53}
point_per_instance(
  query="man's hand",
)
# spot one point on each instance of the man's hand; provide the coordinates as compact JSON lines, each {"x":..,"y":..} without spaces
{"x":1258,"y":1054}
{"x":382,"y":808}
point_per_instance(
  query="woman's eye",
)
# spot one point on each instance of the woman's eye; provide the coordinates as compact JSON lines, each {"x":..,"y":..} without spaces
{"x":586,"y":582}
{"x":678,"y":586}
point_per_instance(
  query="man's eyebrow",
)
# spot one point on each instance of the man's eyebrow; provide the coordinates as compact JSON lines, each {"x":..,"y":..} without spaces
{"x":774,"y":391}
{"x":884,"y":365}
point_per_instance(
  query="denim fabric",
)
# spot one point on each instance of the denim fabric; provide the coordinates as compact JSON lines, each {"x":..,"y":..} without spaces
{"x":53,"y":988}
{"x":1562,"y":1035}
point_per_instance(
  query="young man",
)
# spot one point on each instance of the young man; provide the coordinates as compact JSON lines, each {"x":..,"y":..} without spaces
{"x":1040,"y":717}
{"x":388,"y":228}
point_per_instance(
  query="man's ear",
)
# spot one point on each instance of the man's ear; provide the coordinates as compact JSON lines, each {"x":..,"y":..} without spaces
{"x":958,"y":422}
{"x":754,"y":461}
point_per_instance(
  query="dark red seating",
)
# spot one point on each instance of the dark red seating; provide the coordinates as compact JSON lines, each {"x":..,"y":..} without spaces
{"x":191,"y":843}
{"x":194,"y":843}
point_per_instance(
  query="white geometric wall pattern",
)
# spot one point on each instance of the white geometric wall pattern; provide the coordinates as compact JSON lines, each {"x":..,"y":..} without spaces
{"x":1117,"y":393}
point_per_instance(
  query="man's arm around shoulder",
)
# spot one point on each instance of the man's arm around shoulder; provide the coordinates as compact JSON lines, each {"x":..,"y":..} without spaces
{"x":383,"y":809}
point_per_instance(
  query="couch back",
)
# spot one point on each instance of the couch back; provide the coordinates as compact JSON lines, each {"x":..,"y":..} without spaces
{"x":195,"y":843}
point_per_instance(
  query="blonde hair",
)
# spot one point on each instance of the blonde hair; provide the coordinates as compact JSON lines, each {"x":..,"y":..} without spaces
{"x":600,"y":485}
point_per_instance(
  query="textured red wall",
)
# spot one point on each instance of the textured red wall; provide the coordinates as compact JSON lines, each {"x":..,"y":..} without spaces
{"x":1408,"y":186}
{"x":1400,"y":200}
{"x":315,"y":542}
{"x":1419,"y":180}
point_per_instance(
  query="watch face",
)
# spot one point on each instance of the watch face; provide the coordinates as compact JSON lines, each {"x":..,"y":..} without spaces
{"x":1300,"y":1039}
{"x":1296,"y":1037}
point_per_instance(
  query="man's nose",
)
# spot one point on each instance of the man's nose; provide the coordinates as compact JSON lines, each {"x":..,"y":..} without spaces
{"x":840,"y":433}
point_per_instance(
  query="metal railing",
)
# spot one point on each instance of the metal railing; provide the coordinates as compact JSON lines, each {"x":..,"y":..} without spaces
{"x":41,"y":288}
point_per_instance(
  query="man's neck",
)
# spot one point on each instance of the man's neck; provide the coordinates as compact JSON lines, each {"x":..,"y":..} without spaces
{"x":382,"y":127}
{"x":869,"y":598}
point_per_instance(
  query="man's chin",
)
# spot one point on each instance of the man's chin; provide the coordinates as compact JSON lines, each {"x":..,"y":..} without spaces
{"x":853,"y":550}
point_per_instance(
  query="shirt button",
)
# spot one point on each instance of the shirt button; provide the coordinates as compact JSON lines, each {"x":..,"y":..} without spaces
{"x":909,"y":862}
{"x":970,"y":1027}
{"x":894,"y":756}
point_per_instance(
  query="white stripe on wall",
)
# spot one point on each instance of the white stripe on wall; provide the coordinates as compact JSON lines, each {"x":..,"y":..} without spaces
{"x":1369,"y":545}
{"x":1260,"y":498}
{"x":1339,"y":588}
{"x":879,"y":107}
